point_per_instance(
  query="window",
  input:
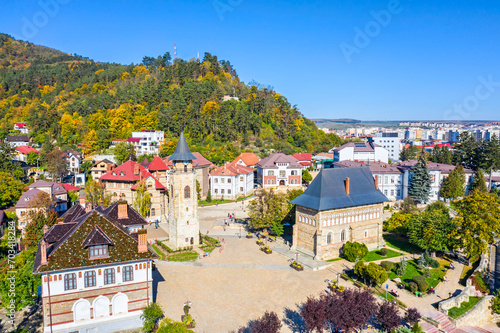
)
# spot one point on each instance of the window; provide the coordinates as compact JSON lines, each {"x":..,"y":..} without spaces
{"x":128,"y":273}
{"x":392,"y":193}
{"x":216,"y":180}
{"x":270,"y":173}
{"x":329,"y":238}
{"x":109,"y":276}
{"x":342,"y":236}
{"x":385,"y":192}
{"x":241,"y":189}
{"x":153,"y":213}
{"x":282,"y":173}
{"x":229,"y":180}
{"x":241,"y":178}
{"x":222,"y":191}
{"x":98,"y":251}
{"x":294,"y":173}
{"x":229,"y":191}
{"x":89,"y":279}
{"x":216,"y":190}
{"x":69,"y":281}
{"x":366,"y":233}
{"x":222,"y":180}
{"x":187,"y":192}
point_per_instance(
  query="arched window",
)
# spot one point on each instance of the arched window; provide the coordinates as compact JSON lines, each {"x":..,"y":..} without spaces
{"x":329,"y":238}
{"x":342,"y":236}
{"x":187,"y":192}
{"x":101,"y":307}
{"x":153,"y":213}
{"x":81,"y":310}
{"x":120,"y":303}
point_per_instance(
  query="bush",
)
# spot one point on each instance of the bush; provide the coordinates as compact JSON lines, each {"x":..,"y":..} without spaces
{"x":384,"y":251}
{"x":422,"y":286}
{"x":354,"y":250}
{"x":388,"y":265}
{"x":418,"y":278}
{"x":413,"y":287}
{"x":150,"y":315}
{"x":478,"y":282}
{"x":412,"y":316}
{"x":434,"y":263}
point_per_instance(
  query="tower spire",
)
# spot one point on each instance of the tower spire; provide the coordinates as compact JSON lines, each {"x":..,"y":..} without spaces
{"x":182,"y":152}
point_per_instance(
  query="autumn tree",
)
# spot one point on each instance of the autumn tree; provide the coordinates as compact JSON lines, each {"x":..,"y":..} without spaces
{"x":56,"y":165}
{"x":412,"y":316}
{"x":90,"y":142}
{"x":388,"y":316}
{"x":34,"y":229}
{"x":124,"y":152}
{"x":314,"y":314}
{"x":268,"y":323}
{"x":142,"y":202}
{"x":269,"y":209}
{"x":11,"y":189}
{"x":478,"y":222}
{"x":454,"y":185}
{"x":96,"y":194}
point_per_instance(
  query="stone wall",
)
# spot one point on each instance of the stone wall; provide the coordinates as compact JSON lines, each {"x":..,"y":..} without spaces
{"x":479,"y":315}
{"x":444,"y":306}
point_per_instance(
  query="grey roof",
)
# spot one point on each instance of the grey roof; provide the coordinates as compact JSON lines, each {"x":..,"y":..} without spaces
{"x":327,"y":190}
{"x":182,"y":152}
{"x":25,"y":199}
{"x":13,"y":138}
{"x":358,"y":146}
{"x":270,"y":161}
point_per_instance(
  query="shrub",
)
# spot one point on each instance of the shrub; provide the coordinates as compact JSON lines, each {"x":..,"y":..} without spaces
{"x":427,"y":273}
{"x":359,"y":268}
{"x":478,"y":282}
{"x":434,"y":263}
{"x":412,"y":316}
{"x":388,"y":265}
{"x":422,"y":286}
{"x":413,"y":287}
{"x":150,"y":315}
{"x":384,"y":251}
{"x":418,"y":278}
{"x":376,"y":273}
{"x":354,"y":250}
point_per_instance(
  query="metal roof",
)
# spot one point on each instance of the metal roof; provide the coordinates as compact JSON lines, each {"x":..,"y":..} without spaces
{"x":327,"y":191}
{"x":182,"y":152}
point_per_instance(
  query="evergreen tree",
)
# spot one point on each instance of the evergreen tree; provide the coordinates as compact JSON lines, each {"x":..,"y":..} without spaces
{"x":420,"y":181}
{"x":478,"y":182}
{"x":209,"y":196}
{"x":454,"y":185}
{"x":465,"y":151}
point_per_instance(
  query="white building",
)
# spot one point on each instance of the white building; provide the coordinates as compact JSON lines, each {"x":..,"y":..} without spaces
{"x":279,"y":169}
{"x":21,"y":127}
{"x":391,"y":142}
{"x":360,"y":151}
{"x":17,"y":140}
{"x":149,"y":141}
{"x":74,"y":160}
{"x":231,"y":181}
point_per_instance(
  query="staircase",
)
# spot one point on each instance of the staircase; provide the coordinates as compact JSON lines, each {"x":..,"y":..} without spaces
{"x":445,"y":325}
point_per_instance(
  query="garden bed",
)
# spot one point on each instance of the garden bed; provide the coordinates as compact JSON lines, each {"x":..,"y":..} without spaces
{"x":266,"y":250}
{"x":186,"y":256}
{"x":464,"y":307}
{"x":412,"y":269}
{"x":377,"y":255}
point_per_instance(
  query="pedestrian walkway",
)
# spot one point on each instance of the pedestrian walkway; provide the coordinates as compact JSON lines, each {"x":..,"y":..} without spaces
{"x":220,"y":265}
{"x":307,"y":262}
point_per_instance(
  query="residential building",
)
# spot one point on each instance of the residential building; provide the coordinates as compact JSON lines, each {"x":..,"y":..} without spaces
{"x":21,"y":127}
{"x":340,"y":205}
{"x":96,"y":275}
{"x":17,"y":140}
{"x":247,"y":159}
{"x":230,"y":181}
{"x":3,"y":222}
{"x":202,"y":166}
{"x":360,"y":151}
{"x":304,"y":159}
{"x":22,"y":153}
{"x":101,"y":167}
{"x":279,"y":169}
{"x":74,"y":160}
{"x":391,"y":142}
{"x":183,"y":226}
{"x":149,"y":141}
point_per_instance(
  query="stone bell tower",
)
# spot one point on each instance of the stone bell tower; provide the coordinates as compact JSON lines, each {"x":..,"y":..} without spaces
{"x":183,"y":226}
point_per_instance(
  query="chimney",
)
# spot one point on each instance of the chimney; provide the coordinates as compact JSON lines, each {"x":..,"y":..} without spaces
{"x":109,"y":167}
{"x":347,"y":189}
{"x":136,"y":169}
{"x":122,"y":211}
{"x":142,"y":241}
{"x":82,"y":201}
{"x":45,"y":229}
{"x":43,"y":252}
{"x":376,"y":182}
{"x":88,"y":207}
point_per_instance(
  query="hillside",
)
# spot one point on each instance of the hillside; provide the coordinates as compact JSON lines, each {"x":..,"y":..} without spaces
{"x":76,"y":100}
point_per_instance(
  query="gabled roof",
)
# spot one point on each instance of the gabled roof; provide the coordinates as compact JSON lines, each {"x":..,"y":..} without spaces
{"x":231,"y":169}
{"x":249,"y":159}
{"x":133,"y":217}
{"x":69,"y":187}
{"x":445,"y":168}
{"x":22,"y":138}
{"x":157,"y":164}
{"x":303,"y":157}
{"x":133,"y":139}
{"x":270,"y":161}
{"x":158,"y":185}
{"x":124,"y":172}
{"x":26,"y":150}
{"x":375,"y":167}
{"x":57,"y":188}
{"x":20,"y":125}
{"x":199,"y":161}
{"x":182,"y":152}
{"x":97,"y":237}
{"x":73,"y":213}
{"x":328,"y":190}
{"x":26,"y":198}
{"x":75,"y":153}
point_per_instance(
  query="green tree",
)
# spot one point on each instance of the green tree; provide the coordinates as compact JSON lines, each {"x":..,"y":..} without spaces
{"x":478,"y":222}
{"x":209,"y":196}
{"x":142,"y":202}
{"x":124,"y":152}
{"x":267,"y":208}
{"x":96,"y":194}
{"x":478,"y":182}
{"x":306,"y":176}
{"x":32,"y":158}
{"x":431,"y":230}
{"x":398,"y":222}
{"x":150,"y":314}
{"x":454,"y":185}
{"x":198,"y":190}
{"x":465,"y":152}
{"x":34,"y":229}
{"x":11,"y":189}
{"x":354,"y":251}
{"x":420,"y":181}
{"x":56,"y":165}
{"x":409,"y":153}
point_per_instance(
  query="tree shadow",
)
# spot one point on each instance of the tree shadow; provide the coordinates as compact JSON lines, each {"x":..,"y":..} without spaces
{"x":294,"y":320}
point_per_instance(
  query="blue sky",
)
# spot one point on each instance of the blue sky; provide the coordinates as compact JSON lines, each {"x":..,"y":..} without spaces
{"x":369,"y":60}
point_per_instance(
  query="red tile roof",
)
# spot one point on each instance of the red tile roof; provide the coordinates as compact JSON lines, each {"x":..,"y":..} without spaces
{"x":20,"y":125}
{"x":248,"y":158}
{"x":133,"y":139}
{"x":231,"y":169}
{"x":26,"y":150}
{"x":125,"y":173}
{"x":157,"y":164}
{"x":69,"y":187}
{"x":303,"y":157}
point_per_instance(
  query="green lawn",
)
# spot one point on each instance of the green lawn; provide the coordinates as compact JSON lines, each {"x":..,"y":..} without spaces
{"x":158,"y":251}
{"x":207,"y":248}
{"x":401,"y":243}
{"x":412,"y":270}
{"x":186,"y":256}
{"x":334,"y":259}
{"x":464,"y":307}
{"x":219,"y":201}
{"x":376,"y":255}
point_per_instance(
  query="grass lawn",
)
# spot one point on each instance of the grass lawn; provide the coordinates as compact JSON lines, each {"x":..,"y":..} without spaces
{"x":207,"y":248}
{"x":376,"y":255}
{"x":464,"y":307}
{"x":186,"y":256}
{"x":158,"y":251}
{"x":412,"y":270}
{"x":401,"y":243}
{"x":334,"y":259}
{"x":219,"y":201}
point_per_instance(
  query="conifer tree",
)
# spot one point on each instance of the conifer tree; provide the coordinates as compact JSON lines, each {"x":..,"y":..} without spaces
{"x":478,"y":182}
{"x":454,"y":185}
{"x":420,"y":182}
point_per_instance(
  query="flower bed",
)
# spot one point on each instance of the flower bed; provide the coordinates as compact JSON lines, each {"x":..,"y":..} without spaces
{"x":266,"y":249}
{"x":249,"y":236}
{"x":298,"y":267}
{"x":260,"y":242}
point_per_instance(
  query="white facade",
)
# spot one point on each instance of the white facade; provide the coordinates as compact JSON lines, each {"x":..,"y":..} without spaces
{"x":391,"y":144}
{"x":230,"y":187}
{"x":390,"y":184}
{"x":352,"y":152}
{"x":149,"y":142}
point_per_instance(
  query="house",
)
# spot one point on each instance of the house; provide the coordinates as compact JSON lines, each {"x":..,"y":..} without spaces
{"x":247,"y":159}
{"x":279,"y":169}
{"x":323,"y":160}
{"x":22,"y":153}
{"x":96,"y":275}
{"x":391,"y":142}
{"x":74,"y":160}
{"x":101,"y":167}
{"x":21,"y":127}
{"x":26,"y":205}
{"x":202,"y":167}
{"x":360,"y":151}
{"x":340,"y":205}
{"x":304,"y":159}
{"x":3,"y":222}
{"x":231,"y":181}
{"x":158,"y":169}
{"x":122,"y":182}
{"x":17,"y":140}
{"x":148,"y":141}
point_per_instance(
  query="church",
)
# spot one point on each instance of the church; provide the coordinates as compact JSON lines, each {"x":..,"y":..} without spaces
{"x":340,"y":205}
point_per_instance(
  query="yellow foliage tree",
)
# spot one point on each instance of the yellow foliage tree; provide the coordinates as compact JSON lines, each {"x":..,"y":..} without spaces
{"x":90,"y":143}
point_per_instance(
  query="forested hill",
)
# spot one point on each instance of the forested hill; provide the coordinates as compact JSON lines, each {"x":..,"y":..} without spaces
{"x":76,"y":100}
